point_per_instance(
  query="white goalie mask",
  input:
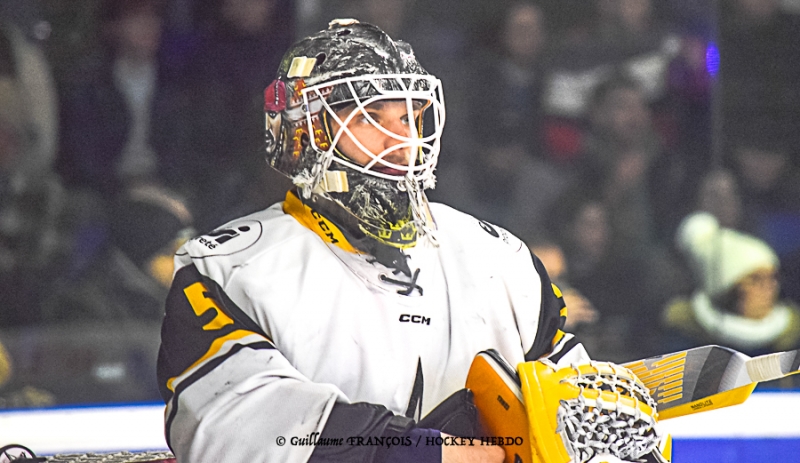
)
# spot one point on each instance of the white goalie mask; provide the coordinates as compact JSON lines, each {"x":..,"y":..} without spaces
{"x":327,"y":84}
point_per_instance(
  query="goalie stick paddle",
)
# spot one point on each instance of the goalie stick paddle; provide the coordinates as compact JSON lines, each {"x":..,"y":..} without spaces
{"x":496,"y":392}
{"x":709,"y":377}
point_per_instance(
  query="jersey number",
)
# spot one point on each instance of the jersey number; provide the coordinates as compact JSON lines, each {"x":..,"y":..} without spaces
{"x":196,"y":294}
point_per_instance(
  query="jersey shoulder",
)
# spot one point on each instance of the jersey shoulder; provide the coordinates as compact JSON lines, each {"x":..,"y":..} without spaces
{"x":239,"y":241}
{"x":457,"y":226}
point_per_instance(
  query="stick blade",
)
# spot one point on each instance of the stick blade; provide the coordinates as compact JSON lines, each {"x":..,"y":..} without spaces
{"x":685,"y":380}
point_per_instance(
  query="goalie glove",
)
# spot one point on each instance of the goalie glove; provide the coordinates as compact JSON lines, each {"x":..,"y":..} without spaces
{"x":598,"y":411}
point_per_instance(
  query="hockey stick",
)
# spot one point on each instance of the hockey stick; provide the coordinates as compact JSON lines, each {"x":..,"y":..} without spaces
{"x":709,"y":377}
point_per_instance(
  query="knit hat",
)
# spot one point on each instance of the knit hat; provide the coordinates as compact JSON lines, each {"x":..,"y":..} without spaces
{"x":721,"y":257}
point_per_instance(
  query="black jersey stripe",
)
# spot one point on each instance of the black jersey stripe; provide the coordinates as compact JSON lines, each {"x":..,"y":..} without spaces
{"x":566,"y":347}
{"x":551,"y":320}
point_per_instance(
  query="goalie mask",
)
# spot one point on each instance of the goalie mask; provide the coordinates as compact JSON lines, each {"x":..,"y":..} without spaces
{"x":326,"y":83}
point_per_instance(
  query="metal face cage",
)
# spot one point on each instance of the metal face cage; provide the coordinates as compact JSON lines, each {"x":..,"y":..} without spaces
{"x":363,"y":91}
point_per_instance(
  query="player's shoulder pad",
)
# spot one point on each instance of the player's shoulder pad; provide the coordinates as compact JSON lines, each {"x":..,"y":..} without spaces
{"x":454,"y":222}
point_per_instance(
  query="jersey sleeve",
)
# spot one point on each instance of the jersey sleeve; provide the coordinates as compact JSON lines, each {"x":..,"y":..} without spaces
{"x":232,"y":396}
{"x":551,"y":341}
{"x":539,"y":310}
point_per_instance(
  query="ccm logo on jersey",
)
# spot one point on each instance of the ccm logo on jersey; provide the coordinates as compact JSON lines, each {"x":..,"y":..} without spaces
{"x":407,"y":318}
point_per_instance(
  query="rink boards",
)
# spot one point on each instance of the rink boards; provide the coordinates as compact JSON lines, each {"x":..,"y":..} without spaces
{"x":764,"y":429}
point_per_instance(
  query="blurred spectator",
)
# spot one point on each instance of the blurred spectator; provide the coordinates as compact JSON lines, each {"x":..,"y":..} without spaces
{"x":130,"y":278}
{"x":617,"y":256}
{"x":719,"y":196}
{"x":22,"y":60}
{"x":769,"y":179}
{"x":581,"y":310}
{"x":503,"y":184}
{"x":14,"y":395}
{"x":736,"y":303}
{"x":34,"y":238}
{"x":770,"y":184}
{"x":31,"y":203}
{"x":120,"y":122}
{"x":509,"y":82}
{"x":626,"y":37}
{"x":584,"y":237}
{"x":760,"y":66}
{"x":5,"y":366}
{"x":642,"y":185}
{"x":616,"y":285}
{"x":684,"y":117}
{"x":504,"y":178}
{"x":237,"y":51}
{"x":626,"y":287}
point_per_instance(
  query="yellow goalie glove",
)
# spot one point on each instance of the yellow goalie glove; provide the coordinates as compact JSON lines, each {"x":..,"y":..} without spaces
{"x":591,"y":413}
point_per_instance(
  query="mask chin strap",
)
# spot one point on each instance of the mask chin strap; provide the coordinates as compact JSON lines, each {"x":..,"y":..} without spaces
{"x":316,"y":181}
{"x":333,"y":181}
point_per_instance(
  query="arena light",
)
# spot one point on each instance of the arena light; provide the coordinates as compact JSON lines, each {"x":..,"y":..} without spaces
{"x":712,"y":59}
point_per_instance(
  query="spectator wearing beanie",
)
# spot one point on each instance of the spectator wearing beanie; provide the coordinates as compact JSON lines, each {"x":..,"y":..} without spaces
{"x":131,"y":277}
{"x":736,"y":303}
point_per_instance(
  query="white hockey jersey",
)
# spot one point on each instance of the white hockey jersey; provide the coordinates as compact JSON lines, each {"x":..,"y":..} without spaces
{"x":274,"y":318}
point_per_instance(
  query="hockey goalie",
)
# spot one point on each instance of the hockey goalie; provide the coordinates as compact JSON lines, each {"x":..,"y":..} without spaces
{"x":341,"y":324}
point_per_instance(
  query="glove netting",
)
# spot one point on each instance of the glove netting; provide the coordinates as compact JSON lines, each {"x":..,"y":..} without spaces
{"x":594,"y":424}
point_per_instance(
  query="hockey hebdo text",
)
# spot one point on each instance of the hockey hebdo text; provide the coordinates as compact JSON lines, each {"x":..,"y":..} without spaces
{"x":314,"y":439}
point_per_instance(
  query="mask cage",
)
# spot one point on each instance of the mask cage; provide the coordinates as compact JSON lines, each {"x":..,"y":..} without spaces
{"x":365,"y":90}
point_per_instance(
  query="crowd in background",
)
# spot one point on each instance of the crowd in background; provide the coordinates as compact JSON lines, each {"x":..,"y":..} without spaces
{"x":646,"y":151}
